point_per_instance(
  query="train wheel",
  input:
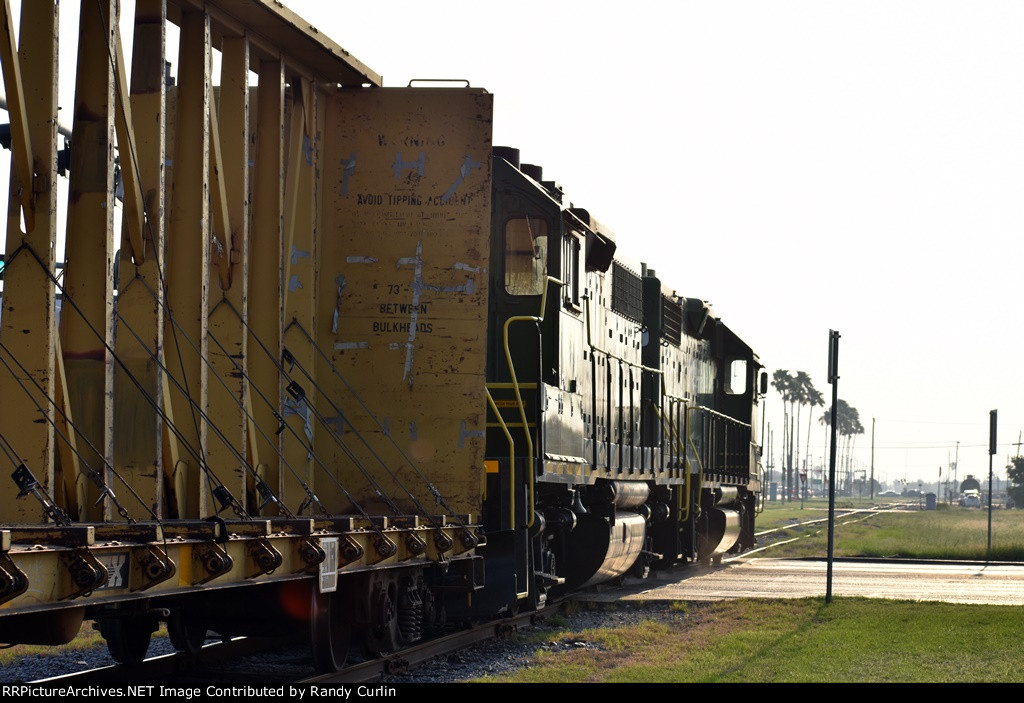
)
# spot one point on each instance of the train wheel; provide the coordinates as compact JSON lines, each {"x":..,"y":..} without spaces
{"x":186,"y":635}
{"x":330,"y":632}
{"x":383,"y":636}
{"x":127,"y":638}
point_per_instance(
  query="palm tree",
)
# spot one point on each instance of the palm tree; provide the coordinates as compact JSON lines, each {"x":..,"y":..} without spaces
{"x":848,"y":426}
{"x":798,"y":390}
{"x":786,"y":386}
{"x":812,"y":397}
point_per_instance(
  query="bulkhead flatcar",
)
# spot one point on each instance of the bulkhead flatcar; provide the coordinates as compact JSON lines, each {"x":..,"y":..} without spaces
{"x":357,"y":372}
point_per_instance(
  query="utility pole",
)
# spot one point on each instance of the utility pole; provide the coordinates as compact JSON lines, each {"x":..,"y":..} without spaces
{"x":789,"y":459}
{"x":783,"y":475}
{"x":956,"y":467}
{"x":872,"y":459}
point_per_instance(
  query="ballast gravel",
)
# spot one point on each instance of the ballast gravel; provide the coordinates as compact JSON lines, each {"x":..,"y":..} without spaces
{"x":491,"y":658}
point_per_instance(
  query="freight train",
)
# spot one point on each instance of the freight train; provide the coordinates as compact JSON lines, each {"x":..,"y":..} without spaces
{"x":346,"y":367}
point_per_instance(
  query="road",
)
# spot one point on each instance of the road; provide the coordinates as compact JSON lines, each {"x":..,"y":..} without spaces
{"x":950,"y":582}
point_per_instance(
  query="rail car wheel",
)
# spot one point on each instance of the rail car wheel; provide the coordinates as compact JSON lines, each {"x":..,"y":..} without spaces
{"x":186,"y":635}
{"x":401,"y":608}
{"x":383,"y":636}
{"x":127,"y":637}
{"x":330,"y":632}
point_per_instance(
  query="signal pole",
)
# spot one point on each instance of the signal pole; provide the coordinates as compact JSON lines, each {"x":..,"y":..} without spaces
{"x":991,"y":453}
{"x":833,"y":379}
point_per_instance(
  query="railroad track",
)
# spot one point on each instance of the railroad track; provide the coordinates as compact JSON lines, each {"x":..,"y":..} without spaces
{"x":404,"y":661}
{"x":265,"y":661}
{"x":173,"y":667}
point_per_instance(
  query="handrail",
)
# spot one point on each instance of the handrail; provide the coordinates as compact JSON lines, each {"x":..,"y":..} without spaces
{"x":721,"y":415}
{"x":759,"y":508}
{"x":674,"y":438}
{"x":515,"y":383}
{"x":690,"y":438}
{"x":696,"y":455}
{"x":511,"y":459}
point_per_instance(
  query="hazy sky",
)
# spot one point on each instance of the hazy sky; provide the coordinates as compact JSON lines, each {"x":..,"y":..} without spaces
{"x":803,"y":165}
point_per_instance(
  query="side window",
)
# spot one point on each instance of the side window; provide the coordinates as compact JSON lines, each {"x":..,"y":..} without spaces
{"x":526,"y":255}
{"x":736,"y":383}
{"x":571,"y":270}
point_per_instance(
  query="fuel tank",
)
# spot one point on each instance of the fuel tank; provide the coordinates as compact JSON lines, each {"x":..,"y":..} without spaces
{"x":721,"y":525}
{"x":598,"y":550}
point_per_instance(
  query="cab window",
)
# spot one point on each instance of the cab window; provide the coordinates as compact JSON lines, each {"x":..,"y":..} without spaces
{"x":736,"y":383}
{"x":526,"y":255}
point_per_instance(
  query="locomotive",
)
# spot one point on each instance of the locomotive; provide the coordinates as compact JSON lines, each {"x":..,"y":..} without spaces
{"x":358,"y":372}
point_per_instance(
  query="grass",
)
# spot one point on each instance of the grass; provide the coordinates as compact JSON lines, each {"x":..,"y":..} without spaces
{"x":933,"y":534}
{"x":87,"y":639}
{"x":789,"y":641}
{"x":751,"y":641}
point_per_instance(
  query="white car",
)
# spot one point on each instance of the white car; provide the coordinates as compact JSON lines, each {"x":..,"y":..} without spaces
{"x":970,"y":499}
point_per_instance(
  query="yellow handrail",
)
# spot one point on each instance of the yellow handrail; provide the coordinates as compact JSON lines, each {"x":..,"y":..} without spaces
{"x":511,"y":459}
{"x":682,"y":450}
{"x":686,"y":461}
{"x":667,"y":423}
{"x":515,"y":384}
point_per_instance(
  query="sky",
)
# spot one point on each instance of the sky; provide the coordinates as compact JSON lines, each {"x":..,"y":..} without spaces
{"x":804,"y":165}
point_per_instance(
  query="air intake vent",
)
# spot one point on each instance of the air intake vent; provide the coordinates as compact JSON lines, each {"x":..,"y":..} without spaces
{"x":671,"y":320}
{"x":627,"y":293}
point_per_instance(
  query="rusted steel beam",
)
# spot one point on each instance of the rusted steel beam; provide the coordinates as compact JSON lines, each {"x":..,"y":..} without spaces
{"x":265,"y":271}
{"x":21,"y":138}
{"x":134,"y":208}
{"x":138,"y":386}
{"x":28,"y":323}
{"x":279,"y":33}
{"x":228,"y":347}
{"x":188,"y":263}
{"x":301,"y":266}
{"x":86,"y":327}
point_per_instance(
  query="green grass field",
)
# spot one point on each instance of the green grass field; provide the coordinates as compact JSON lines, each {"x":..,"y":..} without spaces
{"x":749,"y":641}
{"x":851,"y":640}
{"x":956,"y":533}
